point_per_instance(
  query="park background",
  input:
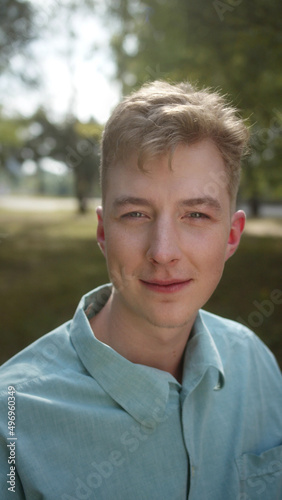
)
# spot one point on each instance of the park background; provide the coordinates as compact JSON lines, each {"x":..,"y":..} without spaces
{"x":64,"y":64}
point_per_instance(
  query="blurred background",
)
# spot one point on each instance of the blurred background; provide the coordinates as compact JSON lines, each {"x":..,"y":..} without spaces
{"x":64,"y":65}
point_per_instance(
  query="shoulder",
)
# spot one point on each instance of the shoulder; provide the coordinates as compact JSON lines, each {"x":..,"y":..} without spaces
{"x":220,"y":325}
{"x":229,"y":331}
{"x":238,"y":344}
{"x":49,"y":354}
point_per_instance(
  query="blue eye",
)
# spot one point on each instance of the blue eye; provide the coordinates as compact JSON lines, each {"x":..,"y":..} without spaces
{"x":198,"y":215}
{"x":134,"y":215}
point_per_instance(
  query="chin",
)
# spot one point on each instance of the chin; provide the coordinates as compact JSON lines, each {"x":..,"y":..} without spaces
{"x":170,"y":322}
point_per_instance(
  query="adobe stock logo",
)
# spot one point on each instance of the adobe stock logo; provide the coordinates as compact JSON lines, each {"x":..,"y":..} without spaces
{"x":222,"y":7}
{"x":84,"y":147}
{"x":262,"y":310}
{"x":130,"y":441}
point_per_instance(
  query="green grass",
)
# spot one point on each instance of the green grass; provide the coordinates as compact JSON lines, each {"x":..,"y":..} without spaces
{"x":49,"y":260}
{"x":244,"y":293}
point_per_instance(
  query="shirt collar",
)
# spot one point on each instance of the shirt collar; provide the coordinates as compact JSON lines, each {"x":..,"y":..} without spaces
{"x":202,"y":356}
{"x":141,"y":390}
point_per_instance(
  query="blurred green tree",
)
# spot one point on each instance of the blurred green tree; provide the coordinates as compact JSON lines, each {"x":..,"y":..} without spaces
{"x":16,"y":30}
{"x":71,"y":142}
{"x":21,"y":23}
{"x":234,"y":46}
{"x":11,"y":142}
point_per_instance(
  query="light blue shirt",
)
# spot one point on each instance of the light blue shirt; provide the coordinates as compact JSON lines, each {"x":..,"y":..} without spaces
{"x":89,"y":424}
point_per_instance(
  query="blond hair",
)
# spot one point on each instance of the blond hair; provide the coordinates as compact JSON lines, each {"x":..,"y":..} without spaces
{"x":155,"y":119}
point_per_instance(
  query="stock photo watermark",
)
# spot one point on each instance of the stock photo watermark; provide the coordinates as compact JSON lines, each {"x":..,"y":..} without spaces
{"x":84,"y":148}
{"x":267,"y":478}
{"x":11,"y":439}
{"x":265,"y":136}
{"x":130,"y":441}
{"x":155,"y":73}
{"x":222,"y":8}
{"x":263,"y":309}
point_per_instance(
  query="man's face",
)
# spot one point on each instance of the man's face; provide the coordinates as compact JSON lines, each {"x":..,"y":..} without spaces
{"x":166,"y":234}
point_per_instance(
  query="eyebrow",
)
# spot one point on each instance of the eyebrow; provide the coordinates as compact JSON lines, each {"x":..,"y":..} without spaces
{"x":209,"y":201}
{"x":205,"y":200}
{"x":122,"y":201}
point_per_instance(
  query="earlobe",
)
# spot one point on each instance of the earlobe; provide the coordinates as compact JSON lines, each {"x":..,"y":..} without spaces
{"x":100,"y":230}
{"x":236,"y":230}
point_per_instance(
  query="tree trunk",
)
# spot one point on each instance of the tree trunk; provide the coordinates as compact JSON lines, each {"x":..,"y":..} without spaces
{"x":254,"y":205}
{"x":81,"y":190}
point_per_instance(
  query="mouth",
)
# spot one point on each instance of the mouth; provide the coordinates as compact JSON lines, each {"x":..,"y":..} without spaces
{"x":166,"y":286}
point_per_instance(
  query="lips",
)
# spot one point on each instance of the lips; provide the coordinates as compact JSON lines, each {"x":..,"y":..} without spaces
{"x":166,"y":286}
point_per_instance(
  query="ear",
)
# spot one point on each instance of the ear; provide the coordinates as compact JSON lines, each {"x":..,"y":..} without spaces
{"x":100,"y":230}
{"x":237,"y":226}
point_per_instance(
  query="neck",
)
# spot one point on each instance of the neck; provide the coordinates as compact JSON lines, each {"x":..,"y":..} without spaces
{"x":145,"y":344}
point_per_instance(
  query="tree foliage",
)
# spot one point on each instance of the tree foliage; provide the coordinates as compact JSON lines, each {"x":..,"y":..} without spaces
{"x":16,"y":30}
{"x":71,"y":142}
{"x":234,"y":46}
{"x":23,"y":22}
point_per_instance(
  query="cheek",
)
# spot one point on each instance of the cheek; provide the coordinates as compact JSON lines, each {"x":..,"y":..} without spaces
{"x":121,"y":259}
{"x":212,"y":255}
{"x":124,"y":246}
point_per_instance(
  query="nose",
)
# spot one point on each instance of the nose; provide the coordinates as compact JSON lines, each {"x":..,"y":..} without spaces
{"x":163,"y":246}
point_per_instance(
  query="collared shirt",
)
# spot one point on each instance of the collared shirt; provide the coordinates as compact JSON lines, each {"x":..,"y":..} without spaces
{"x":89,"y":424}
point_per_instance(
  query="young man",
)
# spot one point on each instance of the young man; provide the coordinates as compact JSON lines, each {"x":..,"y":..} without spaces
{"x":143,"y":395}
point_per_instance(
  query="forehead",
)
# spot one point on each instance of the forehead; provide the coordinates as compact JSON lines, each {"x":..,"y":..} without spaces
{"x":194,"y":170}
